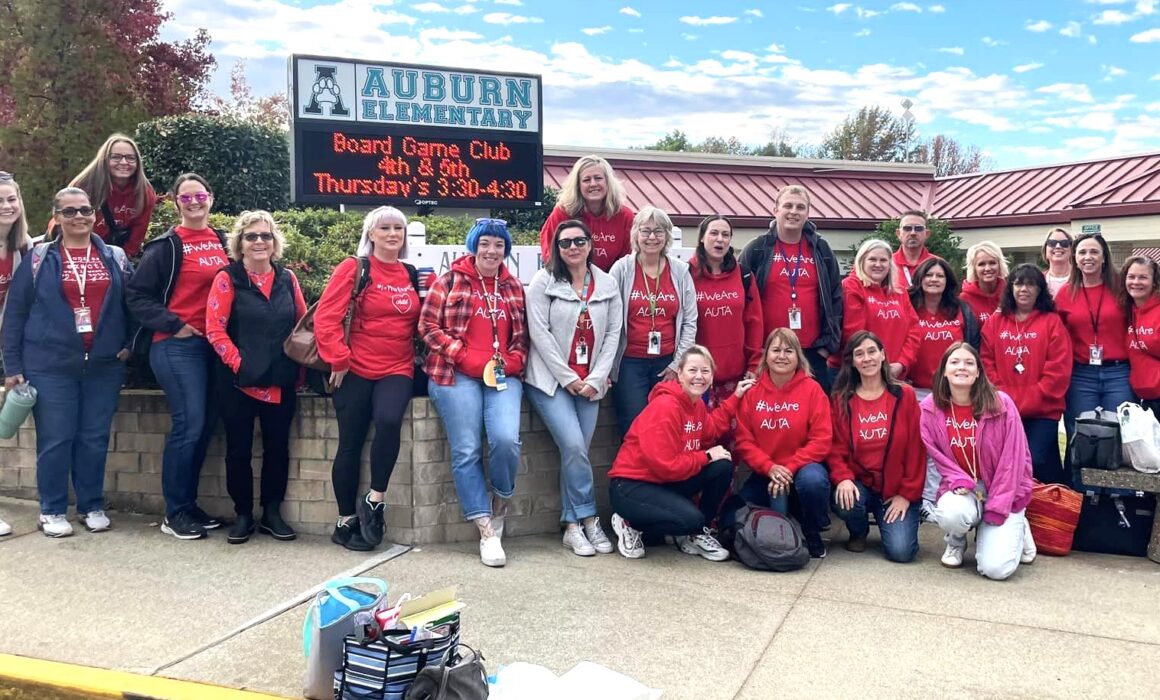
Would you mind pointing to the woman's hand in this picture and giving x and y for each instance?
(123, 355)
(717, 452)
(668, 375)
(574, 388)
(186, 331)
(588, 391)
(896, 509)
(12, 381)
(846, 495)
(743, 386)
(780, 479)
(896, 369)
(337, 377)
(750, 375)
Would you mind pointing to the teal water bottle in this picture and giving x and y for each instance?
(18, 403)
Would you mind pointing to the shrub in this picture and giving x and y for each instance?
(943, 241)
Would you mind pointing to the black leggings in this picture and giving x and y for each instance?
(238, 412)
(668, 509)
(357, 402)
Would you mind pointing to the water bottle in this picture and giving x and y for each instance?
(18, 403)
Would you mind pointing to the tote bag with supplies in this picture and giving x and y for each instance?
(329, 619)
(386, 668)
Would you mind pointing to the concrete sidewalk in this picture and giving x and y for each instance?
(851, 625)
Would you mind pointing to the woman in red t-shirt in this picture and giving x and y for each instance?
(877, 459)
(1140, 295)
(729, 314)
(592, 194)
(986, 275)
(117, 186)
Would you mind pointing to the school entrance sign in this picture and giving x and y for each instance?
(366, 132)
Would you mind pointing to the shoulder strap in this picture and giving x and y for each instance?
(37, 257)
(413, 274)
(746, 280)
(363, 276)
(110, 222)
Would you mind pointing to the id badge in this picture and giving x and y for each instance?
(84, 319)
(500, 379)
(1019, 367)
(654, 342)
(1095, 355)
(795, 318)
(980, 491)
(582, 353)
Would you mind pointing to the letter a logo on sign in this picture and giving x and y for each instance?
(326, 91)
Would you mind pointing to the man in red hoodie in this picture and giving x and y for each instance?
(912, 234)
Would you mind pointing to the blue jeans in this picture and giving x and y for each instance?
(630, 391)
(183, 369)
(73, 417)
(899, 538)
(668, 509)
(571, 420)
(1043, 439)
(467, 407)
(812, 485)
(1103, 385)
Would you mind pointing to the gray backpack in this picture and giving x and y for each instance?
(766, 540)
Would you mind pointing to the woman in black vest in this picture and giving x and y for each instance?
(252, 308)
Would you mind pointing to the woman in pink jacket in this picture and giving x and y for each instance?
(973, 433)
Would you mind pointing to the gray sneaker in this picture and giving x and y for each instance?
(575, 540)
(597, 538)
(704, 545)
(628, 539)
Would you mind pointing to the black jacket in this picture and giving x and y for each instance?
(971, 330)
(755, 260)
(148, 292)
(258, 326)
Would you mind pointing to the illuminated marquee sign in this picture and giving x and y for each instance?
(384, 133)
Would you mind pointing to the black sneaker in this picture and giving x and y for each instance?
(371, 520)
(241, 530)
(273, 525)
(183, 527)
(348, 534)
(815, 544)
(203, 518)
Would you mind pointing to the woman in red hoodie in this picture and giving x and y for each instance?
(592, 194)
(1140, 295)
(872, 302)
(116, 183)
(877, 460)
(729, 316)
(784, 433)
(986, 275)
(942, 319)
(1027, 353)
(664, 462)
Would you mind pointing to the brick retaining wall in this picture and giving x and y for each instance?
(422, 504)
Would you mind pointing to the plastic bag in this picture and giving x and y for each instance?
(1140, 437)
(587, 680)
(524, 681)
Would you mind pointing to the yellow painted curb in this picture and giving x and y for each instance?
(103, 683)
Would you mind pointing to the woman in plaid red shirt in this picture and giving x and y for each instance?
(475, 325)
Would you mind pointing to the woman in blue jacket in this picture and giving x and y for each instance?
(66, 332)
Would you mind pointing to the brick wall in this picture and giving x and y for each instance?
(422, 504)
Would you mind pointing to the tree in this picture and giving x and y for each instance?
(730, 146)
(272, 110)
(949, 157)
(675, 141)
(871, 134)
(943, 241)
(74, 71)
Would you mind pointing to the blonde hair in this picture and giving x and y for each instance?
(572, 201)
(701, 351)
(247, 219)
(792, 189)
(18, 234)
(97, 181)
(990, 248)
(789, 339)
(865, 249)
(366, 246)
(660, 218)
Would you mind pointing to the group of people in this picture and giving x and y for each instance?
(889, 391)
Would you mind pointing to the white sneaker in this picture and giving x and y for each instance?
(953, 557)
(491, 552)
(1029, 548)
(597, 538)
(575, 539)
(96, 521)
(54, 526)
(628, 540)
(705, 545)
(5, 528)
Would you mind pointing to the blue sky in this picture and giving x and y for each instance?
(1030, 82)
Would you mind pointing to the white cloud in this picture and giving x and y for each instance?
(629, 11)
(429, 7)
(466, 9)
(707, 21)
(594, 31)
(1024, 68)
(988, 41)
(905, 7)
(839, 8)
(1038, 26)
(1071, 30)
(1146, 7)
(1112, 17)
(1092, 39)
(862, 32)
(745, 56)
(984, 117)
(754, 13)
(1077, 92)
(1146, 37)
(507, 18)
(956, 50)
(1097, 121)
(508, 2)
(936, 9)
(1113, 72)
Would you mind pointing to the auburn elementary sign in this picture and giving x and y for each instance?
(365, 132)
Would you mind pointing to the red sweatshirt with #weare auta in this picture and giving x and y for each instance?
(788, 425)
(1040, 346)
(729, 322)
(1144, 350)
(610, 235)
(884, 311)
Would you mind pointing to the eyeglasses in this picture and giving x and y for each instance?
(1054, 243)
(118, 158)
(566, 243)
(653, 233)
(252, 237)
(187, 198)
(71, 212)
(486, 221)
(917, 228)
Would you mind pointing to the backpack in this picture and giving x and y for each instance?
(1096, 442)
(36, 256)
(766, 540)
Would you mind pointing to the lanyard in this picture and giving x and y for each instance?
(83, 274)
(1095, 317)
(793, 276)
(649, 296)
(585, 294)
(973, 458)
(906, 272)
(1019, 337)
(492, 301)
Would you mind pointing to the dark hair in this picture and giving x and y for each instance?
(186, 177)
(1126, 302)
(1043, 248)
(849, 378)
(1076, 280)
(984, 395)
(730, 261)
(949, 303)
(1020, 275)
(556, 264)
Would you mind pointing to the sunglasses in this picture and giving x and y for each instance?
(486, 221)
(917, 228)
(252, 237)
(187, 198)
(4, 177)
(1053, 243)
(71, 212)
(566, 243)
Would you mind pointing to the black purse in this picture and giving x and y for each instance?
(460, 677)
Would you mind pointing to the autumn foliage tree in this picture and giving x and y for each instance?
(74, 71)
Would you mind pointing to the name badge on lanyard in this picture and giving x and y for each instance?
(82, 315)
(582, 353)
(1095, 355)
(795, 313)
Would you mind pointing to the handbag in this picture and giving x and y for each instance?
(1096, 441)
(1053, 515)
(302, 346)
(461, 677)
(386, 668)
(329, 619)
(1140, 437)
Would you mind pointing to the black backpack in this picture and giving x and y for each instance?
(1096, 442)
(766, 540)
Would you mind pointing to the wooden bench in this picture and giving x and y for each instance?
(1127, 478)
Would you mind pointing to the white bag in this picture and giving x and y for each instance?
(1140, 437)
